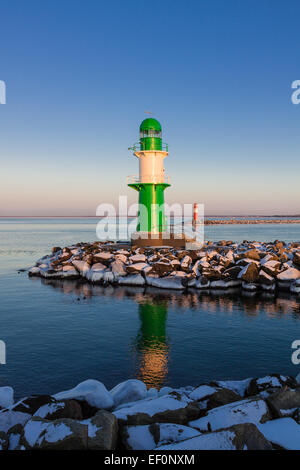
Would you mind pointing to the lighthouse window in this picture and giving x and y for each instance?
(150, 133)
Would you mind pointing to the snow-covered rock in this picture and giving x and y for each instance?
(34, 271)
(167, 408)
(284, 432)
(96, 433)
(165, 391)
(269, 383)
(101, 257)
(167, 433)
(9, 418)
(81, 266)
(6, 397)
(128, 391)
(59, 409)
(289, 275)
(102, 431)
(140, 258)
(62, 434)
(239, 437)
(284, 402)
(92, 391)
(118, 268)
(69, 272)
(138, 438)
(152, 393)
(95, 273)
(14, 440)
(249, 274)
(136, 268)
(148, 437)
(238, 386)
(251, 410)
(202, 392)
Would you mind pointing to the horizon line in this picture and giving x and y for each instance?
(133, 216)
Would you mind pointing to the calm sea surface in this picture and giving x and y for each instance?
(60, 333)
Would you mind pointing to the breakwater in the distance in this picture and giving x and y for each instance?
(245, 221)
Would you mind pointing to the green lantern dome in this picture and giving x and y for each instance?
(150, 124)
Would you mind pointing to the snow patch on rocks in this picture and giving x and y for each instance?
(92, 391)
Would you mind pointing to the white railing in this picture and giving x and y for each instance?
(135, 179)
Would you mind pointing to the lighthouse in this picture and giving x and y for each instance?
(151, 182)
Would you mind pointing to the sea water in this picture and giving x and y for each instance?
(58, 334)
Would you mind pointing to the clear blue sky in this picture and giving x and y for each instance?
(217, 74)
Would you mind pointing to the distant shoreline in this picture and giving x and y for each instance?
(208, 220)
(251, 221)
(232, 217)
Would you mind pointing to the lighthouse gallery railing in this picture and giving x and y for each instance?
(135, 179)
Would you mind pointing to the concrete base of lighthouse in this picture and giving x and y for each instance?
(150, 239)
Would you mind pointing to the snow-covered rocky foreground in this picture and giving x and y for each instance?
(251, 266)
(251, 414)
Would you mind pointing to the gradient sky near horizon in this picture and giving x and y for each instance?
(217, 75)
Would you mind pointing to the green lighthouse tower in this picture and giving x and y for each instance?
(151, 181)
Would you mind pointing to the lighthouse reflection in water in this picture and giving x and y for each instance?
(162, 337)
(152, 343)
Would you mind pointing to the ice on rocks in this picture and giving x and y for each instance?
(95, 273)
(225, 284)
(249, 286)
(132, 280)
(82, 266)
(168, 282)
(295, 287)
(69, 271)
(34, 271)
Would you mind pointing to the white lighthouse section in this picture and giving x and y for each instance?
(151, 166)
